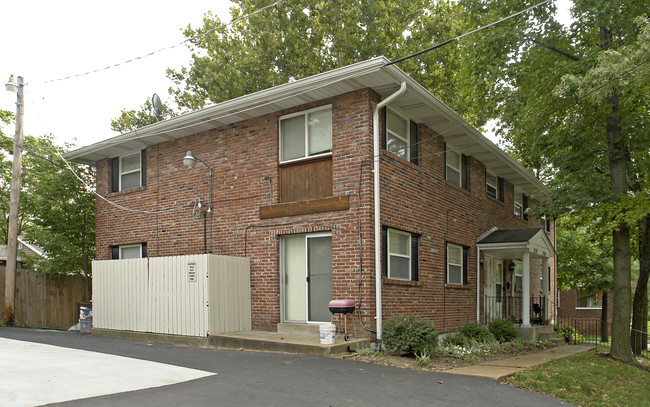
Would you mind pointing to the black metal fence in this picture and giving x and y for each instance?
(589, 331)
(640, 343)
(507, 307)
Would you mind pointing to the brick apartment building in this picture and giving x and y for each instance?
(286, 176)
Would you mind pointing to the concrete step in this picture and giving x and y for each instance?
(550, 336)
(291, 343)
(299, 329)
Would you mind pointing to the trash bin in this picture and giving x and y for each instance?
(85, 320)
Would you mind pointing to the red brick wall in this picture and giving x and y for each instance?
(414, 198)
(418, 199)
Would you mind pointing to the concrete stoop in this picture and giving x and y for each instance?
(540, 332)
(286, 342)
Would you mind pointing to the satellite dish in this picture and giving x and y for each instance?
(157, 105)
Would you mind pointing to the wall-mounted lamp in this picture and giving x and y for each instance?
(189, 161)
(512, 266)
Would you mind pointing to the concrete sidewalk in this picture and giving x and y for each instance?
(497, 369)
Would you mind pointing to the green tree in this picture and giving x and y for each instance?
(583, 253)
(591, 146)
(297, 39)
(57, 212)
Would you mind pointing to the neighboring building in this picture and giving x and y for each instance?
(293, 169)
(24, 249)
(575, 303)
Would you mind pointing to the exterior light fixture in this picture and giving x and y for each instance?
(189, 161)
(11, 86)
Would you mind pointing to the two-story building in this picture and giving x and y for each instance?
(356, 183)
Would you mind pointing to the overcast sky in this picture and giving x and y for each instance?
(45, 40)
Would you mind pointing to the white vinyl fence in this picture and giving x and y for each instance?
(181, 295)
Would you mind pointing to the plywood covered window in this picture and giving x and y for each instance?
(306, 155)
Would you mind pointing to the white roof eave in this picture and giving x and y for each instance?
(371, 73)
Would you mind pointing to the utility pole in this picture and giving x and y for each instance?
(14, 201)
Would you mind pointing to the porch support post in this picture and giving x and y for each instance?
(545, 288)
(525, 312)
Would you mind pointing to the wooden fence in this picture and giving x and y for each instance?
(43, 303)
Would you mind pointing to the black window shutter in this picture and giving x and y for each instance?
(115, 174)
(525, 205)
(465, 175)
(143, 167)
(444, 152)
(382, 125)
(500, 188)
(465, 278)
(384, 252)
(144, 250)
(415, 156)
(115, 252)
(414, 258)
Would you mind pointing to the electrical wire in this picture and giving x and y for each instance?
(467, 33)
(89, 188)
(166, 48)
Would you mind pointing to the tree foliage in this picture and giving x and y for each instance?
(57, 212)
(297, 39)
(584, 127)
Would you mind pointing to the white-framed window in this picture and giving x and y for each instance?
(519, 204)
(545, 223)
(397, 134)
(129, 251)
(455, 264)
(306, 134)
(491, 184)
(584, 300)
(130, 174)
(399, 255)
(454, 164)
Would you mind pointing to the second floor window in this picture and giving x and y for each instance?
(491, 184)
(456, 167)
(306, 134)
(397, 134)
(519, 204)
(129, 171)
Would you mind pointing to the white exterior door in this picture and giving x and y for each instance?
(493, 288)
(306, 277)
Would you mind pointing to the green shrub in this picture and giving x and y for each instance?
(457, 340)
(504, 330)
(567, 332)
(477, 333)
(410, 334)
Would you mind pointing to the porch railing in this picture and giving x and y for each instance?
(510, 307)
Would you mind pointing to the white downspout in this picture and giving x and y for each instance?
(375, 169)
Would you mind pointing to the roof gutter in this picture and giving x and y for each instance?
(375, 169)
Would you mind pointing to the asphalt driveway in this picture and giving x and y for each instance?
(217, 377)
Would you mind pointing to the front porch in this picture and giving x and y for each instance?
(516, 277)
(511, 307)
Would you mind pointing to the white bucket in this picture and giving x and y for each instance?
(327, 334)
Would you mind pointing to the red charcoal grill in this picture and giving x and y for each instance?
(344, 307)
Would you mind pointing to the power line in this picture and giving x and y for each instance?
(466, 34)
(168, 47)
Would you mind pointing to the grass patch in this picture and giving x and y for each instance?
(588, 379)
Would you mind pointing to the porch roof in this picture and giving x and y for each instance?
(512, 243)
